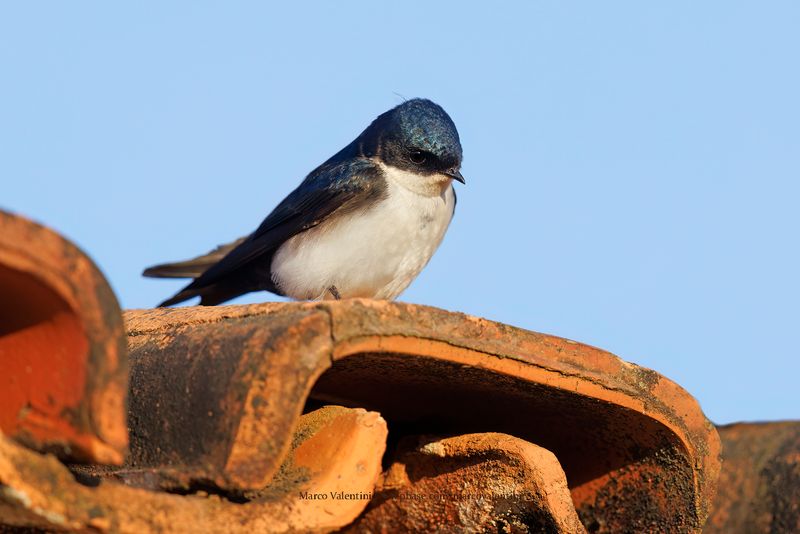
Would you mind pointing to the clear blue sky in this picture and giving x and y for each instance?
(632, 168)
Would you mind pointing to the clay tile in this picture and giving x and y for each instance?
(325, 481)
(472, 483)
(214, 398)
(759, 486)
(637, 451)
(63, 367)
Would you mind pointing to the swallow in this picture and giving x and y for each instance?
(363, 224)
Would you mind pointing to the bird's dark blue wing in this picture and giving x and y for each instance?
(334, 187)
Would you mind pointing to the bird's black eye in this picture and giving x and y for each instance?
(418, 157)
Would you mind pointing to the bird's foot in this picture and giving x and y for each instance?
(335, 292)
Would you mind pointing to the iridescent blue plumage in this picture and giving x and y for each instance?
(423, 124)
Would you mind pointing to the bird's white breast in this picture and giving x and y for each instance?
(373, 253)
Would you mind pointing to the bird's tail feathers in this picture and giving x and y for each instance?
(191, 268)
(212, 294)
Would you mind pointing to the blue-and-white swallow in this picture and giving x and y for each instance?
(362, 224)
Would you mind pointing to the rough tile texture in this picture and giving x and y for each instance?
(637, 451)
(216, 402)
(217, 394)
(335, 450)
(759, 486)
(472, 483)
(63, 366)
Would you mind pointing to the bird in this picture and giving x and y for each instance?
(362, 224)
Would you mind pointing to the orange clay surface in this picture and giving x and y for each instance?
(63, 374)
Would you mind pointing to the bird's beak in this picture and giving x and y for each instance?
(456, 175)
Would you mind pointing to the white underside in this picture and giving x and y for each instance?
(375, 253)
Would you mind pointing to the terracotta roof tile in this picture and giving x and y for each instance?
(759, 486)
(63, 367)
(232, 429)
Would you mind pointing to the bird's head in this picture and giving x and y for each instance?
(417, 136)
